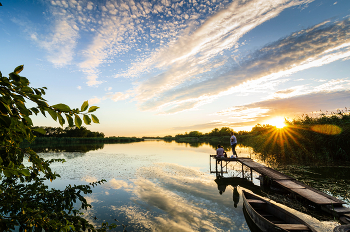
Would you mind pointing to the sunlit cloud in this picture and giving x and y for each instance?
(197, 58)
(203, 126)
(118, 96)
(313, 47)
(295, 106)
(94, 100)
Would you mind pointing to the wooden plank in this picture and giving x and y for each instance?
(289, 184)
(250, 163)
(314, 196)
(293, 226)
(340, 210)
(272, 173)
(256, 201)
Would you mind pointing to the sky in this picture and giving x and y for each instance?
(166, 67)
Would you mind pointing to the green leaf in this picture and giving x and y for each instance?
(87, 120)
(84, 106)
(78, 121)
(93, 108)
(52, 113)
(95, 119)
(60, 119)
(24, 81)
(7, 173)
(40, 130)
(28, 120)
(27, 89)
(22, 108)
(6, 121)
(35, 110)
(18, 69)
(42, 91)
(62, 107)
(70, 120)
(7, 107)
(14, 76)
(25, 172)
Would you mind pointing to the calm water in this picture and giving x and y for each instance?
(160, 186)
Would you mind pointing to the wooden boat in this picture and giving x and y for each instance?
(270, 217)
(343, 228)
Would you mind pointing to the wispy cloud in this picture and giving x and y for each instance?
(199, 57)
(313, 47)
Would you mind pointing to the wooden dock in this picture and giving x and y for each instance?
(324, 201)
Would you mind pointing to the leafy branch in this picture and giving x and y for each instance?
(25, 201)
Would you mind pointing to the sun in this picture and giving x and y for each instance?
(277, 122)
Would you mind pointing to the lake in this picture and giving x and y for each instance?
(159, 186)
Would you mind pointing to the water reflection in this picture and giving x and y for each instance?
(235, 183)
(157, 186)
(44, 148)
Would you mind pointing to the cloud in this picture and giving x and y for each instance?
(198, 56)
(127, 26)
(61, 43)
(94, 100)
(197, 127)
(313, 47)
(118, 96)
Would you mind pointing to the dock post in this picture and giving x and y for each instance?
(222, 174)
(210, 162)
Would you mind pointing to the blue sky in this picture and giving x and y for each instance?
(171, 66)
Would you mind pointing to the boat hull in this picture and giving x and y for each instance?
(271, 218)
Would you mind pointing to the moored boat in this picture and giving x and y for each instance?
(270, 217)
(342, 228)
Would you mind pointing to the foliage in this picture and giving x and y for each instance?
(74, 132)
(25, 201)
(224, 131)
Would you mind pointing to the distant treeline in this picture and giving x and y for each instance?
(216, 135)
(73, 132)
(74, 135)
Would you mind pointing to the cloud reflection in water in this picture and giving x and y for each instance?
(169, 197)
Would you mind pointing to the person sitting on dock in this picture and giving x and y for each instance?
(220, 152)
(233, 141)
